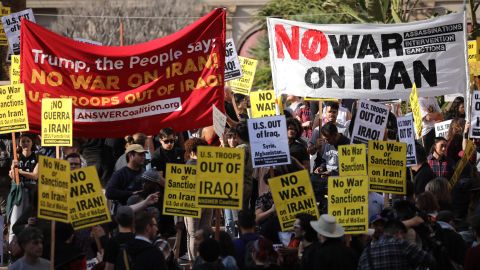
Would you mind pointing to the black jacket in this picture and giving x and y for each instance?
(145, 256)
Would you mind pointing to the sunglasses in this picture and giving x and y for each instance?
(168, 141)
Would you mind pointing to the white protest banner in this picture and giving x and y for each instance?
(475, 115)
(88, 41)
(370, 122)
(441, 129)
(268, 141)
(219, 121)
(406, 134)
(362, 61)
(11, 26)
(233, 69)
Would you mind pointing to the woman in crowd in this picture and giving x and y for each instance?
(304, 231)
(193, 224)
(227, 251)
(438, 160)
(457, 109)
(441, 191)
(264, 256)
(297, 147)
(24, 193)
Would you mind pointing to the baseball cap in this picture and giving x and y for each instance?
(135, 147)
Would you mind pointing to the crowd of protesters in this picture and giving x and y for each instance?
(433, 226)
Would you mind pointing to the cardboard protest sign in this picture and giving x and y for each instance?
(219, 121)
(352, 160)
(441, 129)
(472, 51)
(57, 122)
(268, 141)
(348, 202)
(370, 122)
(244, 84)
(180, 198)
(406, 134)
(15, 70)
(386, 166)
(53, 189)
(292, 194)
(3, 37)
(233, 69)
(368, 61)
(116, 91)
(263, 103)
(87, 204)
(467, 154)
(475, 115)
(13, 109)
(219, 181)
(417, 115)
(11, 26)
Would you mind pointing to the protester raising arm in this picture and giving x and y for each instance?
(151, 199)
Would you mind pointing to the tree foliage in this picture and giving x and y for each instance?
(324, 12)
(142, 20)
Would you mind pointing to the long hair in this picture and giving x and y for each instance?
(457, 127)
(453, 111)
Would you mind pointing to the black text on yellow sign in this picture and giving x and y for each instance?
(263, 103)
(57, 122)
(219, 180)
(179, 197)
(348, 202)
(387, 166)
(53, 189)
(87, 205)
(292, 194)
(13, 109)
(352, 159)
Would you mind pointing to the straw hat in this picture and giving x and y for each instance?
(327, 226)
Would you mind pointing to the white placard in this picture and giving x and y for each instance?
(441, 129)
(269, 141)
(406, 134)
(475, 115)
(11, 25)
(370, 122)
(369, 61)
(233, 69)
(219, 121)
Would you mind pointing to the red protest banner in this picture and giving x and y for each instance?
(171, 81)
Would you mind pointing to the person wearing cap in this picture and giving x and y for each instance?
(332, 253)
(125, 182)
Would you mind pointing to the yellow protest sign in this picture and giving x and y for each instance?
(179, 198)
(467, 154)
(348, 202)
(243, 84)
(417, 116)
(263, 103)
(3, 37)
(352, 160)
(15, 70)
(53, 189)
(57, 123)
(87, 204)
(219, 181)
(387, 166)
(474, 68)
(472, 51)
(13, 109)
(293, 194)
